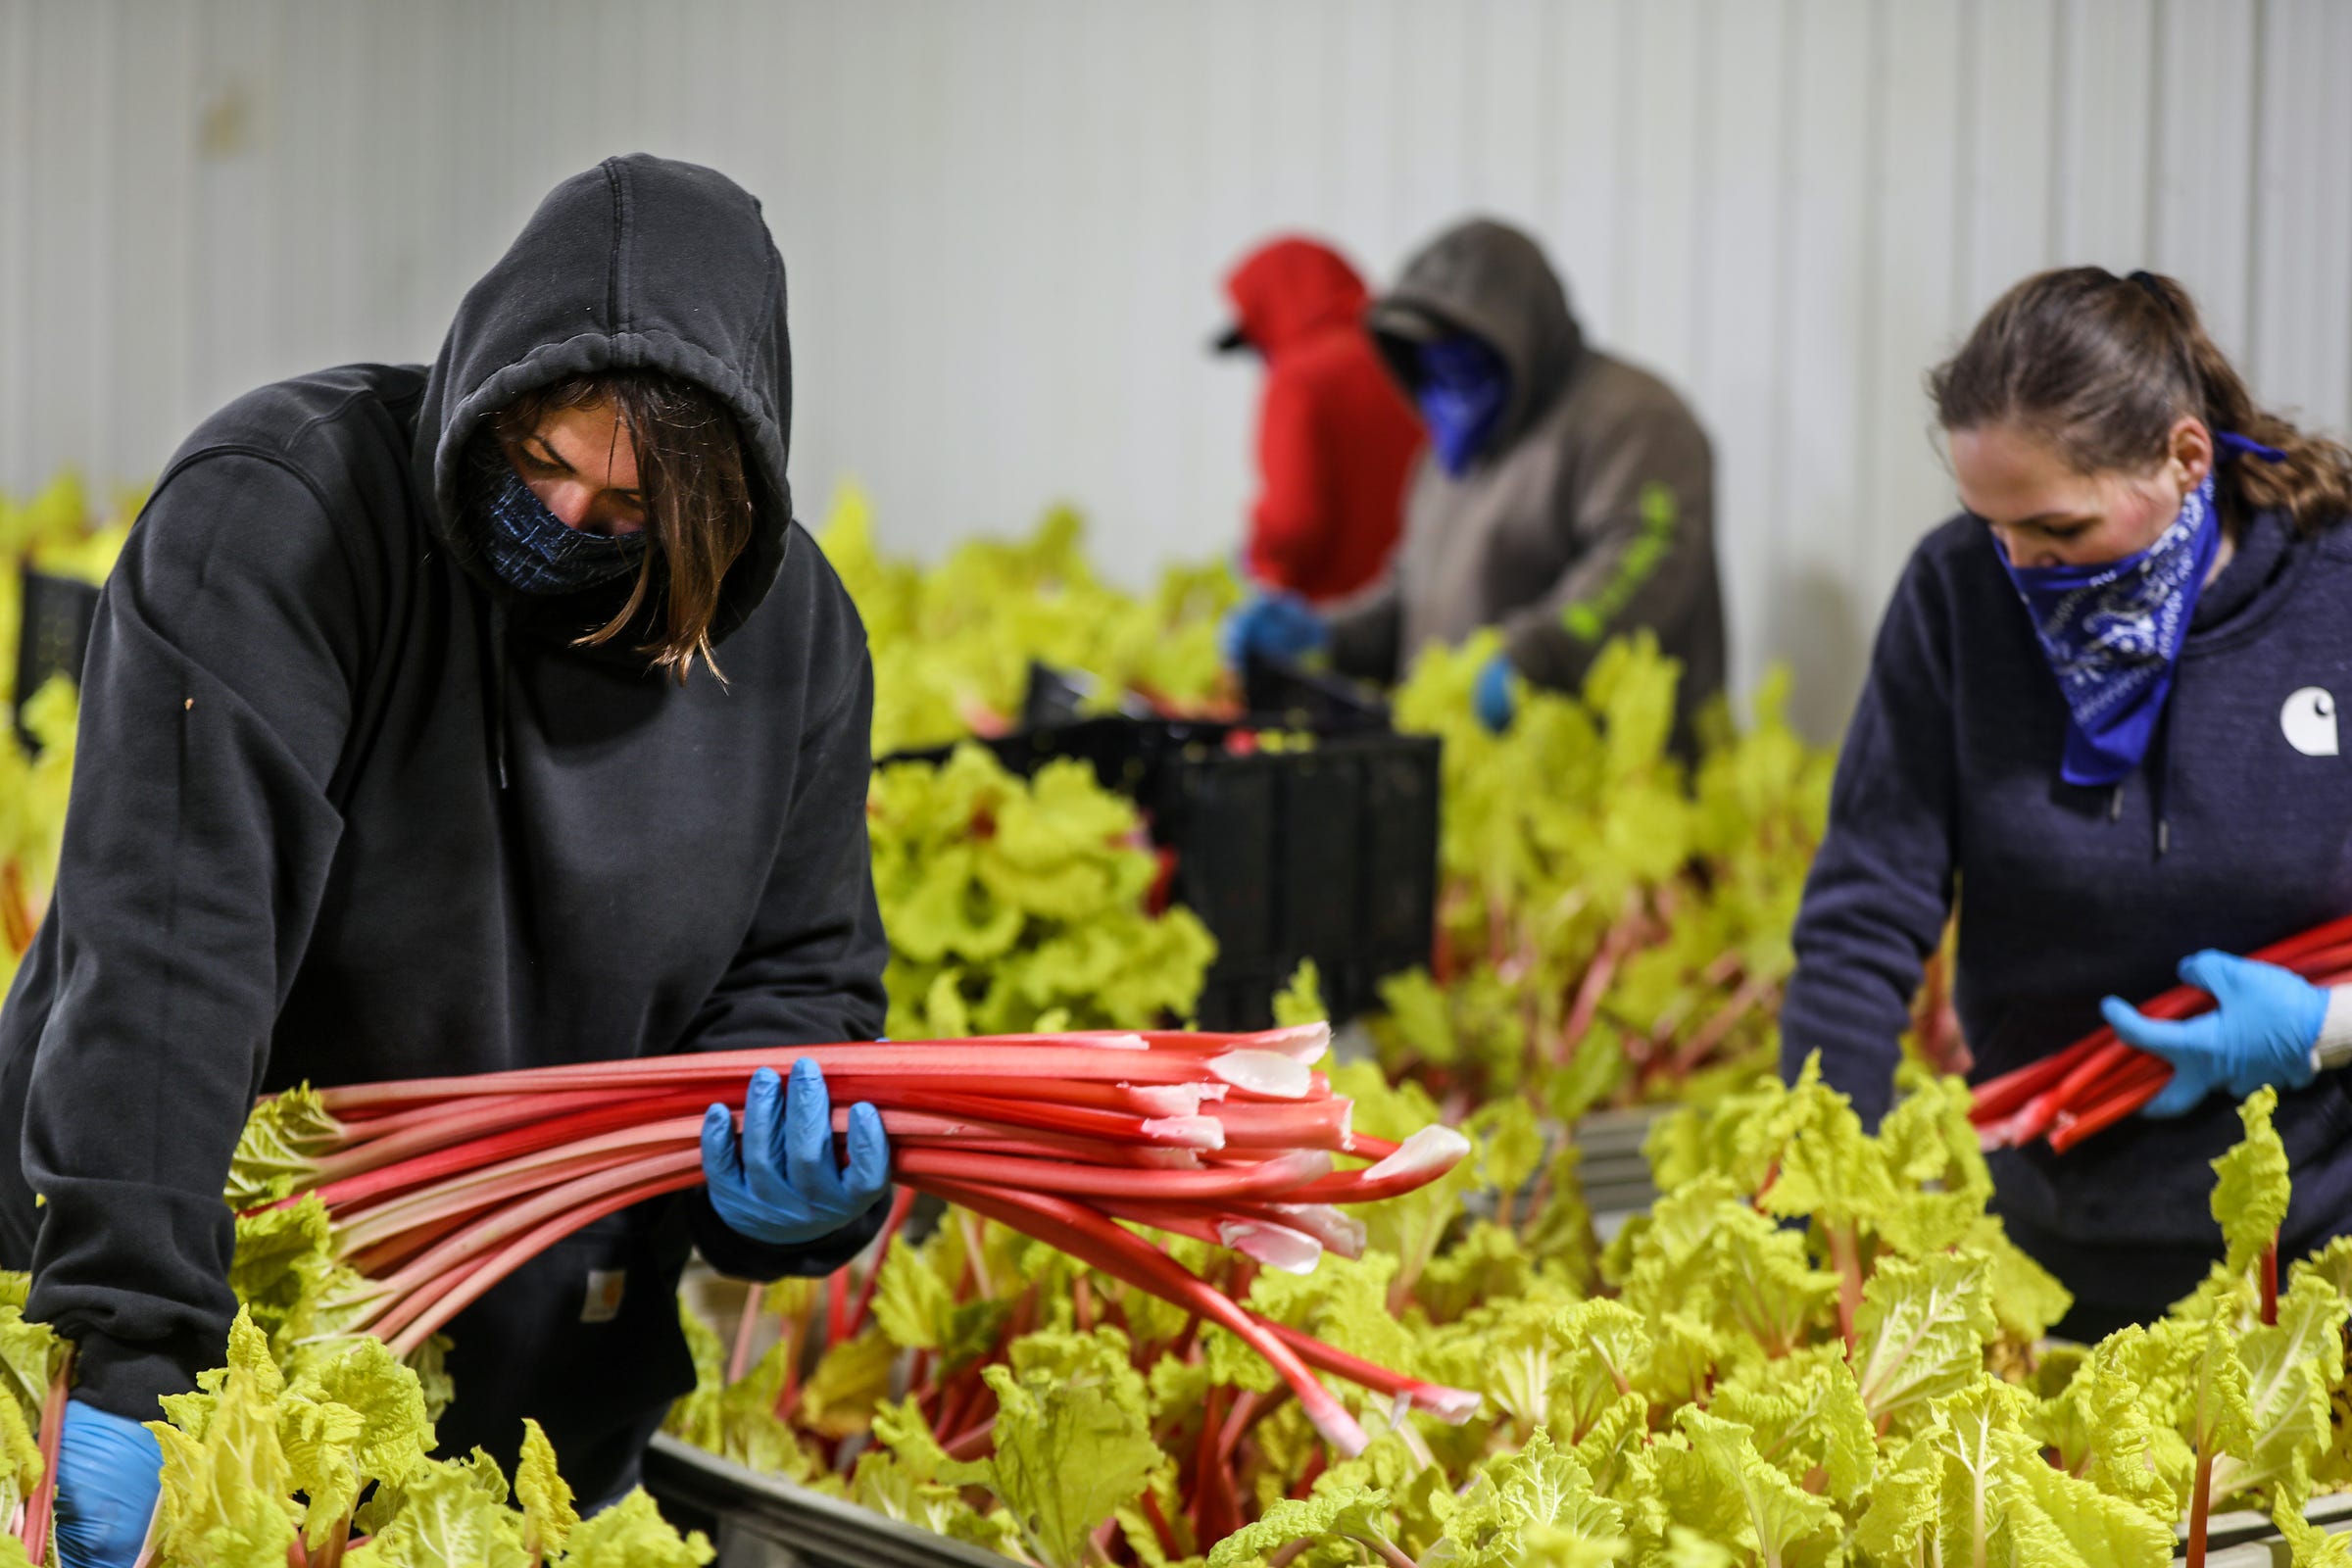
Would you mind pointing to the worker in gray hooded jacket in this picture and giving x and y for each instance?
(1566, 497)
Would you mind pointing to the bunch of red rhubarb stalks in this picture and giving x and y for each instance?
(2099, 1080)
(439, 1188)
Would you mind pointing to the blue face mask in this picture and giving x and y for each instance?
(533, 552)
(2113, 634)
(1463, 387)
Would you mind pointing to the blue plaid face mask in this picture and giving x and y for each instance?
(534, 553)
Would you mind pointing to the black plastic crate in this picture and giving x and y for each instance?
(52, 636)
(1055, 696)
(1319, 701)
(764, 1521)
(1328, 852)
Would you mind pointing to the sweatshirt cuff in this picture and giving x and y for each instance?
(2333, 1049)
(739, 1257)
(128, 1380)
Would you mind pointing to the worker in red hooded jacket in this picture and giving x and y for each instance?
(1335, 439)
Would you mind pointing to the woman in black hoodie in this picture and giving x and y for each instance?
(451, 720)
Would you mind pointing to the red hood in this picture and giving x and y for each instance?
(1293, 288)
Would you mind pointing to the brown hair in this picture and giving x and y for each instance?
(2100, 366)
(698, 500)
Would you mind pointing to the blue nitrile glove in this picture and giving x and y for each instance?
(1275, 625)
(2261, 1031)
(1492, 697)
(781, 1186)
(109, 1470)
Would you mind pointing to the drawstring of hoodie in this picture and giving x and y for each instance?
(2159, 767)
(497, 707)
(2161, 776)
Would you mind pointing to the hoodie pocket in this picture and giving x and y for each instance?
(584, 1338)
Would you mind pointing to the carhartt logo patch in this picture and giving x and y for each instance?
(605, 1287)
(2309, 721)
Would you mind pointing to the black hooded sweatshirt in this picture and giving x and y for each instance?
(345, 810)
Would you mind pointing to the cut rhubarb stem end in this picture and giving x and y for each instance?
(1186, 1132)
(1262, 1072)
(1432, 1151)
(1338, 1232)
(1306, 1043)
(1275, 1246)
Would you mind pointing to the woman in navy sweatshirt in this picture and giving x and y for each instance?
(2100, 721)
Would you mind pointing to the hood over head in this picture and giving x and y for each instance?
(640, 263)
(1491, 280)
(1288, 289)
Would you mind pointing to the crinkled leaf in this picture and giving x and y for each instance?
(226, 1491)
(2026, 1299)
(2251, 1185)
(2290, 1367)
(2216, 1411)
(1723, 1484)
(2067, 1523)
(280, 1147)
(283, 1263)
(1829, 1168)
(1921, 1333)
(632, 1533)
(1069, 1455)
(2312, 1546)
(1355, 1513)
(1543, 1488)
(1601, 1348)
(1608, 1448)
(1806, 1413)
(365, 1377)
(548, 1516)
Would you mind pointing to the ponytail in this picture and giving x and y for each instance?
(2101, 366)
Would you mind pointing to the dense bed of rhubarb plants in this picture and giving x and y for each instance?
(1018, 904)
(1613, 924)
(1820, 1348)
(308, 1453)
(953, 642)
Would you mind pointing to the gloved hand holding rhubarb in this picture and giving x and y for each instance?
(2261, 1033)
(1274, 626)
(781, 1186)
(439, 1188)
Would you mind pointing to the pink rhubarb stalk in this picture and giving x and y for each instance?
(496, 1267)
(1100, 1241)
(1419, 1161)
(1282, 1174)
(1452, 1406)
(1259, 1071)
(41, 1506)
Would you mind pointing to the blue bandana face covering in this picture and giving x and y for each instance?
(2113, 634)
(1464, 385)
(533, 552)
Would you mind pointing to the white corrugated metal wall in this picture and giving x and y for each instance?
(1004, 218)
